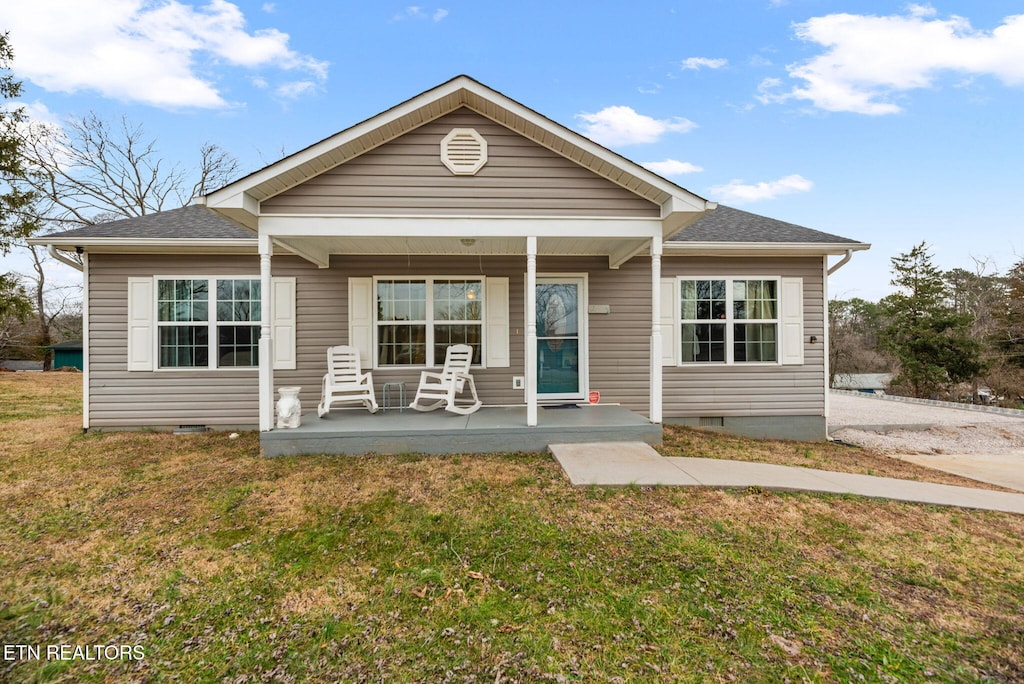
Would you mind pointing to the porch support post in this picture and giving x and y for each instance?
(656, 342)
(531, 331)
(266, 352)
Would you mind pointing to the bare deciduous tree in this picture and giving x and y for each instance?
(93, 171)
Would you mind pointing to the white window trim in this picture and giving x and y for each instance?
(729, 321)
(430, 322)
(212, 325)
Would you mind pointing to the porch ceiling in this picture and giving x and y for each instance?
(316, 248)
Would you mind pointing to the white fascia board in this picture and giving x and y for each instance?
(219, 198)
(326, 146)
(677, 193)
(304, 225)
(762, 248)
(153, 245)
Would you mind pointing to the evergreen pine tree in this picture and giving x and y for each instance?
(930, 340)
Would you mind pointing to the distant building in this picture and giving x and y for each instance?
(68, 354)
(868, 383)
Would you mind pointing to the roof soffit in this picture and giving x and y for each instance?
(461, 91)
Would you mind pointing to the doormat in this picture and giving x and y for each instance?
(561, 406)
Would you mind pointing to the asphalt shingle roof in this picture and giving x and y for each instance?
(726, 224)
(723, 224)
(192, 222)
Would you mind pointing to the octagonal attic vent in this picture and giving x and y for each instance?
(464, 151)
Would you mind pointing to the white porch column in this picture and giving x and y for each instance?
(266, 387)
(656, 343)
(531, 331)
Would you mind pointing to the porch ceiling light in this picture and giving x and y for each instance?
(467, 242)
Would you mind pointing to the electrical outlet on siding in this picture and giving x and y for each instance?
(518, 382)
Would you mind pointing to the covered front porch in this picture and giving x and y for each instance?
(492, 429)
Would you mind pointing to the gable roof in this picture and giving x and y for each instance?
(240, 200)
(724, 228)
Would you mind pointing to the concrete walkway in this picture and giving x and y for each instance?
(627, 463)
(978, 442)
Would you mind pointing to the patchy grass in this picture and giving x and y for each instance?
(225, 566)
(683, 441)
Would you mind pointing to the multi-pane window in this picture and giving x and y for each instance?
(208, 322)
(418, 318)
(238, 306)
(729, 320)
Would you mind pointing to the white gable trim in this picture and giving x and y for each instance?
(238, 199)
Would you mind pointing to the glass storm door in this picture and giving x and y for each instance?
(561, 348)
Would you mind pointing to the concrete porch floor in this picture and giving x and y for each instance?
(492, 429)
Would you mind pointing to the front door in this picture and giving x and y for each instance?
(561, 339)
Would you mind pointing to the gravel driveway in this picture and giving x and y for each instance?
(984, 446)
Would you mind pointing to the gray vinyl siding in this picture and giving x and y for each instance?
(406, 177)
(748, 390)
(618, 342)
(165, 398)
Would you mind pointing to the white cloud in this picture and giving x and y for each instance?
(620, 125)
(738, 192)
(269, 7)
(695, 63)
(870, 60)
(672, 167)
(295, 89)
(417, 12)
(160, 53)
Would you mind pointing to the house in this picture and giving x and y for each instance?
(459, 216)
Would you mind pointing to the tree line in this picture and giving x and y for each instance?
(86, 171)
(955, 334)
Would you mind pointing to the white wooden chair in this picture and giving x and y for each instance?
(437, 389)
(345, 381)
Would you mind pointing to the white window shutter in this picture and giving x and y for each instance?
(791, 306)
(141, 324)
(282, 322)
(496, 348)
(360, 318)
(669, 322)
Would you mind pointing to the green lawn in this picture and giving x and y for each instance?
(224, 566)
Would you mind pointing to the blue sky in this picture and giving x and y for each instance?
(886, 122)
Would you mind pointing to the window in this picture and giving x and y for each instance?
(729, 320)
(418, 318)
(194, 334)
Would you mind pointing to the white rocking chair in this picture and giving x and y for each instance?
(437, 389)
(345, 381)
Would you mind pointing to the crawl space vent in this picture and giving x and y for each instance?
(464, 151)
(711, 421)
(190, 429)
